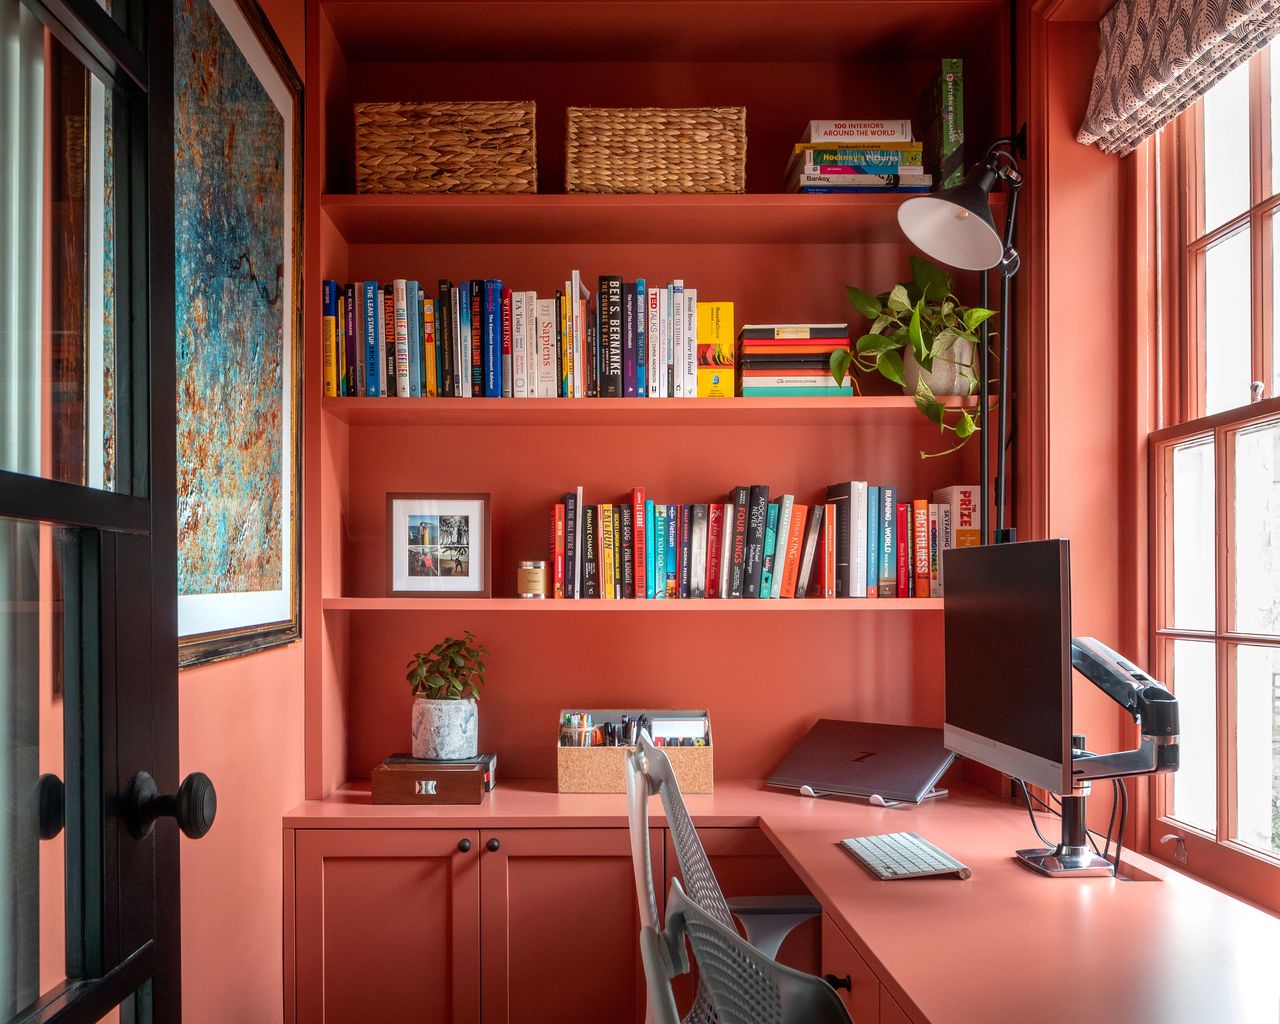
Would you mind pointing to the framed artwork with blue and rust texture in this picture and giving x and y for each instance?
(238, 194)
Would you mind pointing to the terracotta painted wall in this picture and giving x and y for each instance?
(241, 722)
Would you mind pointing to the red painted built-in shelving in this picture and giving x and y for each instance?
(551, 607)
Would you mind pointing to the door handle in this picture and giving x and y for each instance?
(194, 806)
(845, 983)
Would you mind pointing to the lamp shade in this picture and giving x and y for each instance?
(955, 226)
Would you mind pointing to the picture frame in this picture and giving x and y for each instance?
(438, 545)
(238, 120)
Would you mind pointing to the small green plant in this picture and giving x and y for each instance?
(451, 670)
(924, 317)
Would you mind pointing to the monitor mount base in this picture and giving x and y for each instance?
(1073, 857)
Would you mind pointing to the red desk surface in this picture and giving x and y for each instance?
(1007, 945)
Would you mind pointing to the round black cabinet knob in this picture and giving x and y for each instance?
(194, 806)
(493, 846)
(51, 805)
(464, 845)
(845, 983)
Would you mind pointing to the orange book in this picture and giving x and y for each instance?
(829, 551)
(920, 543)
(795, 541)
(557, 548)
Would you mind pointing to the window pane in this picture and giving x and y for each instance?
(1257, 529)
(1194, 587)
(1227, 323)
(1226, 148)
(58, 227)
(1258, 747)
(1195, 785)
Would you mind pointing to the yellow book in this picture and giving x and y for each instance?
(715, 350)
(607, 567)
(429, 346)
(329, 328)
(566, 344)
(340, 346)
(906, 148)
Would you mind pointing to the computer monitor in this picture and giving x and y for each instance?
(1007, 619)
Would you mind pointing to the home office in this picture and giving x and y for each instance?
(596, 556)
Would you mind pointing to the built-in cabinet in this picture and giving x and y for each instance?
(866, 999)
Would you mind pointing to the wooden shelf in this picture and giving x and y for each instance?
(618, 219)
(661, 412)
(549, 607)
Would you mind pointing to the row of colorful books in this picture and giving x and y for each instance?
(483, 339)
(854, 157)
(791, 360)
(861, 541)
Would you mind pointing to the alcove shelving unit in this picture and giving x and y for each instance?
(765, 669)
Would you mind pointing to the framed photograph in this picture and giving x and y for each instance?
(238, 288)
(438, 545)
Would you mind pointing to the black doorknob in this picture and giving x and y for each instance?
(493, 846)
(194, 806)
(464, 845)
(846, 982)
(51, 805)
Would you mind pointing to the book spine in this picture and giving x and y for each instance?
(698, 551)
(690, 350)
(617, 551)
(426, 325)
(785, 504)
(850, 131)
(390, 387)
(676, 365)
(567, 364)
(935, 561)
(653, 343)
(920, 544)
(642, 338)
(444, 337)
(649, 549)
(607, 573)
(590, 552)
(546, 349)
(673, 547)
(753, 566)
(506, 299)
(829, 551)
(841, 496)
(660, 552)
(715, 531)
(770, 543)
(557, 550)
(400, 315)
(686, 540)
(738, 556)
(639, 540)
(570, 546)
(351, 351)
(611, 339)
(418, 302)
(329, 335)
(966, 513)
(902, 539)
(479, 337)
(630, 354)
(664, 342)
(874, 532)
(627, 517)
(726, 547)
(946, 540)
(519, 352)
(811, 554)
(857, 556)
(531, 343)
(795, 546)
(888, 542)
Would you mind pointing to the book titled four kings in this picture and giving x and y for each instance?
(861, 541)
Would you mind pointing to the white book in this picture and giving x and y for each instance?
(380, 321)
(935, 550)
(461, 362)
(519, 357)
(664, 341)
(677, 338)
(945, 541)
(858, 541)
(577, 310)
(785, 504)
(530, 342)
(880, 130)
(400, 325)
(726, 549)
(690, 351)
(546, 348)
(653, 350)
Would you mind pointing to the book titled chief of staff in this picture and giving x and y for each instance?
(477, 339)
(860, 541)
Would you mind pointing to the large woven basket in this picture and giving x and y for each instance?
(445, 147)
(656, 149)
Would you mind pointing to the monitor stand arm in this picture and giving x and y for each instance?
(1073, 857)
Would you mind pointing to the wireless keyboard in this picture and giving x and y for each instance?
(903, 855)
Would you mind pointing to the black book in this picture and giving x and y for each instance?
(757, 509)
(389, 339)
(560, 346)
(809, 552)
(590, 553)
(570, 544)
(629, 339)
(738, 546)
(686, 529)
(616, 582)
(698, 552)
(770, 360)
(842, 497)
(444, 339)
(477, 338)
(610, 337)
(628, 552)
(593, 360)
(771, 332)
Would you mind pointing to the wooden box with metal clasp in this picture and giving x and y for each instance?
(402, 779)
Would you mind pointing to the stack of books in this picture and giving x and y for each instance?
(858, 541)
(630, 339)
(853, 157)
(790, 360)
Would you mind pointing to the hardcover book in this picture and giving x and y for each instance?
(650, 548)
(726, 547)
(444, 335)
(715, 350)
(677, 340)
(413, 313)
(795, 548)
(570, 503)
(387, 340)
(715, 544)
(660, 552)
(611, 341)
(626, 517)
(965, 501)
(859, 131)
(673, 547)
(903, 555)
(811, 552)
(557, 550)
(353, 353)
(946, 539)
(888, 541)
(920, 545)
(683, 551)
(507, 330)
(590, 552)
(738, 547)
(640, 540)
(785, 504)
(475, 301)
(617, 551)
(698, 551)
(757, 510)
(329, 325)
(642, 338)
(630, 354)
(607, 574)
(829, 550)
(874, 531)
(935, 558)
(770, 540)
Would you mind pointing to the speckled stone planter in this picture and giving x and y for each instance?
(946, 377)
(445, 730)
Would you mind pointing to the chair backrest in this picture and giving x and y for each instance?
(744, 985)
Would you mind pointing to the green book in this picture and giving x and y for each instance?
(944, 134)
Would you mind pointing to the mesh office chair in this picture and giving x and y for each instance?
(767, 920)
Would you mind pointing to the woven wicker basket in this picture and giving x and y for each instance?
(656, 149)
(445, 147)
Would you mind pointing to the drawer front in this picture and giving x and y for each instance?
(858, 986)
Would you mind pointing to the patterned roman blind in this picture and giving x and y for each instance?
(1159, 56)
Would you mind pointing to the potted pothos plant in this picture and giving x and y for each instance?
(924, 340)
(446, 682)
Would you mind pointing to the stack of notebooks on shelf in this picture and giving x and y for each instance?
(629, 339)
(860, 541)
(855, 157)
(790, 360)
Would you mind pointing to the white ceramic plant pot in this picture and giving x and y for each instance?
(445, 730)
(946, 377)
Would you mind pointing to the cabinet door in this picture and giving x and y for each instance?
(746, 864)
(387, 926)
(855, 982)
(559, 927)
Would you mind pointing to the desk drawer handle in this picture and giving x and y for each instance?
(464, 845)
(493, 846)
(845, 983)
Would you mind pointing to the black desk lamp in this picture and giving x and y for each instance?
(955, 227)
